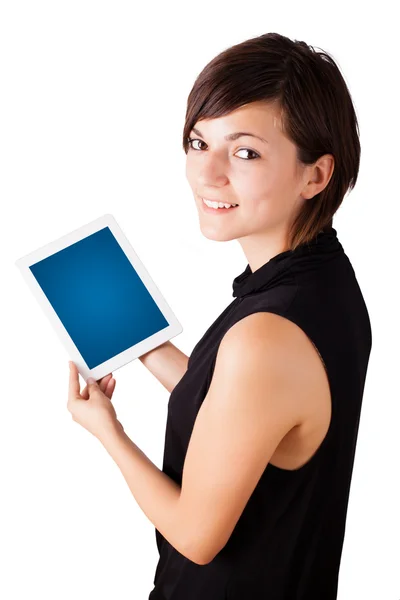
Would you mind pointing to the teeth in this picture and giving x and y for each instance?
(217, 204)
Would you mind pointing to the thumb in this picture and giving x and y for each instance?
(91, 383)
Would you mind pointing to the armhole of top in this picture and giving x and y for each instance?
(314, 458)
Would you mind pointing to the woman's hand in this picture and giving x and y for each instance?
(92, 409)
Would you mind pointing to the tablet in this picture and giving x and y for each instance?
(101, 301)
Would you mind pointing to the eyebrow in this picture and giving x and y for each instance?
(233, 136)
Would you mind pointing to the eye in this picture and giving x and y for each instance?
(190, 140)
(256, 155)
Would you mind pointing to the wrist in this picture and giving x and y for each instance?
(113, 428)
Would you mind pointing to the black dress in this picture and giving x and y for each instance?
(288, 541)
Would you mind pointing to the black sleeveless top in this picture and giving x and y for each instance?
(288, 541)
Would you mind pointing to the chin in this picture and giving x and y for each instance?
(217, 236)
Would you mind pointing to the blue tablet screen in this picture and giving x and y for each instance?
(98, 297)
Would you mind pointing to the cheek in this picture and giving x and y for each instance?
(191, 168)
(267, 201)
(272, 191)
(188, 170)
(259, 191)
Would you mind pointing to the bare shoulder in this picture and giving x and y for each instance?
(268, 339)
(269, 332)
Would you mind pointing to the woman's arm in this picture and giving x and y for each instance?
(167, 363)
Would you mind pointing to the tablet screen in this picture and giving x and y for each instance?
(99, 297)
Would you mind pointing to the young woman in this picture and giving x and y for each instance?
(262, 425)
(263, 417)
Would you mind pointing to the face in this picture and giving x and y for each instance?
(262, 177)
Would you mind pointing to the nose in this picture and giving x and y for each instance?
(212, 172)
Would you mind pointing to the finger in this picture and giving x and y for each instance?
(74, 385)
(102, 384)
(110, 387)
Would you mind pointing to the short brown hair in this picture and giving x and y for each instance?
(317, 112)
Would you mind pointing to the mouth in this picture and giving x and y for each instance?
(217, 208)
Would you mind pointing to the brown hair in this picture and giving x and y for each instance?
(317, 112)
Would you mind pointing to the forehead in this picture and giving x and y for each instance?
(260, 118)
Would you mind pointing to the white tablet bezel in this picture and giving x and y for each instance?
(114, 363)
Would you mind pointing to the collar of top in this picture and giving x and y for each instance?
(305, 257)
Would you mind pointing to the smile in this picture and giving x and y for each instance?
(217, 206)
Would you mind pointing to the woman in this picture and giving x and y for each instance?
(262, 427)
(263, 417)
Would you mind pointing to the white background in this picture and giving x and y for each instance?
(92, 105)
